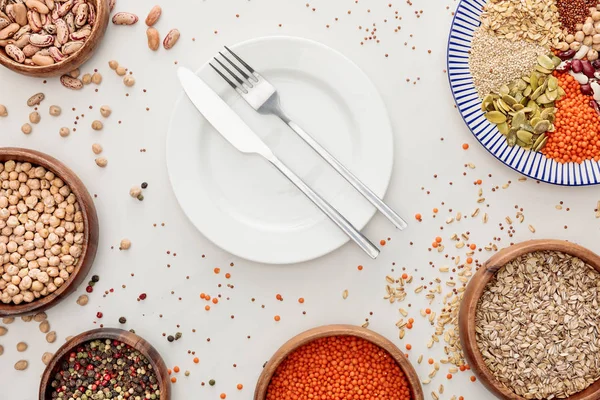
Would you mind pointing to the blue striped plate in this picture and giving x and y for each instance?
(533, 165)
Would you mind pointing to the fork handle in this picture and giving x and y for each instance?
(349, 176)
(327, 209)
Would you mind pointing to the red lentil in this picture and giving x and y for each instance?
(336, 368)
(577, 124)
(196, 360)
(465, 146)
(240, 386)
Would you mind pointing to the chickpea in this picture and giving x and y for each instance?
(55, 111)
(129, 81)
(125, 244)
(35, 117)
(86, 79)
(105, 111)
(3, 111)
(101, 162)
(97, 148)
(26, 129)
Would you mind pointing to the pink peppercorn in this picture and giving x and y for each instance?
(143, 296)
(89, 289)
(99, 314)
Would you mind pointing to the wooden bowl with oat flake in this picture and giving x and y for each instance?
(585, 279)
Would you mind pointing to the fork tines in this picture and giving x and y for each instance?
(242, 77)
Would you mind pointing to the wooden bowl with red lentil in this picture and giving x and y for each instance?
(114, 337)
(352, 346)
(87, 246)
(468, 316)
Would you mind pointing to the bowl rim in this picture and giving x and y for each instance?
(474, 291)
(127, 337)
(76, 59)
(91, 229)
(310, 335)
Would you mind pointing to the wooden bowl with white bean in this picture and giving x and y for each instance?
(44, 38)
(48, 231)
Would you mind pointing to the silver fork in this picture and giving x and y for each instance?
(263, 97)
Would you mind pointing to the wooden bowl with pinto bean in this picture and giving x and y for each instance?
(414, 384)
(131, 339)
(85, 237)
(44, 38)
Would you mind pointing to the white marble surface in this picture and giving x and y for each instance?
(421, 114)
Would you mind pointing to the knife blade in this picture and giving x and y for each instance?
(236, 132)
(221, 116)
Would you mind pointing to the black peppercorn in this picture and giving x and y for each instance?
(122, 320)
(144, 185)
(95, 278)
(170, 338)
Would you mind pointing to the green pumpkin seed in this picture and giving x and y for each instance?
(541, 127)
(495, 117)
(556, 61)
(511, 101)
(547, 112)
(504, 90)
(552, 83)
(537, 92)
(533, 121)
(543, 70)
(527, 91)
(543, 99)
(521, 84)
(546, 62)
(526, 127)
(503, 128)
(552, 127)
(519, 118)
(561, 92)
(511, 138)
(518, 107)
(522, 144)
(526, 79)
(551, 94)
(533, 81)
(540, 143)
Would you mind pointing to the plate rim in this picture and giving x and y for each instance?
(594, 181)
(299, 259)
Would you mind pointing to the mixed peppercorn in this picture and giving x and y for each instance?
(104, 369)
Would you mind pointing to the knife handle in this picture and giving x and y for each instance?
(363, 189)
(327, 209)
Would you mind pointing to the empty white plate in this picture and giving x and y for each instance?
(244, 205)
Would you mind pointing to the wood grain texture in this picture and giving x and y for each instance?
(75, 60)
(474, 291)
(121, 335)
(90, 220)
(337, 330)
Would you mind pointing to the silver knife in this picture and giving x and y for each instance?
(236, 132)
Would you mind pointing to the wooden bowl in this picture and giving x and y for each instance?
(90, 220)
(474, 291)
(337, 330)
(126, 337)
(75, 60)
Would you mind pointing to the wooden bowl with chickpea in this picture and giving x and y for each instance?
(48, 231)
(350, 348)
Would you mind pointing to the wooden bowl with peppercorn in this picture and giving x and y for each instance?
(42, 42)
(547, 261)
(361, 343)
(48, 231)
(129, 351)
